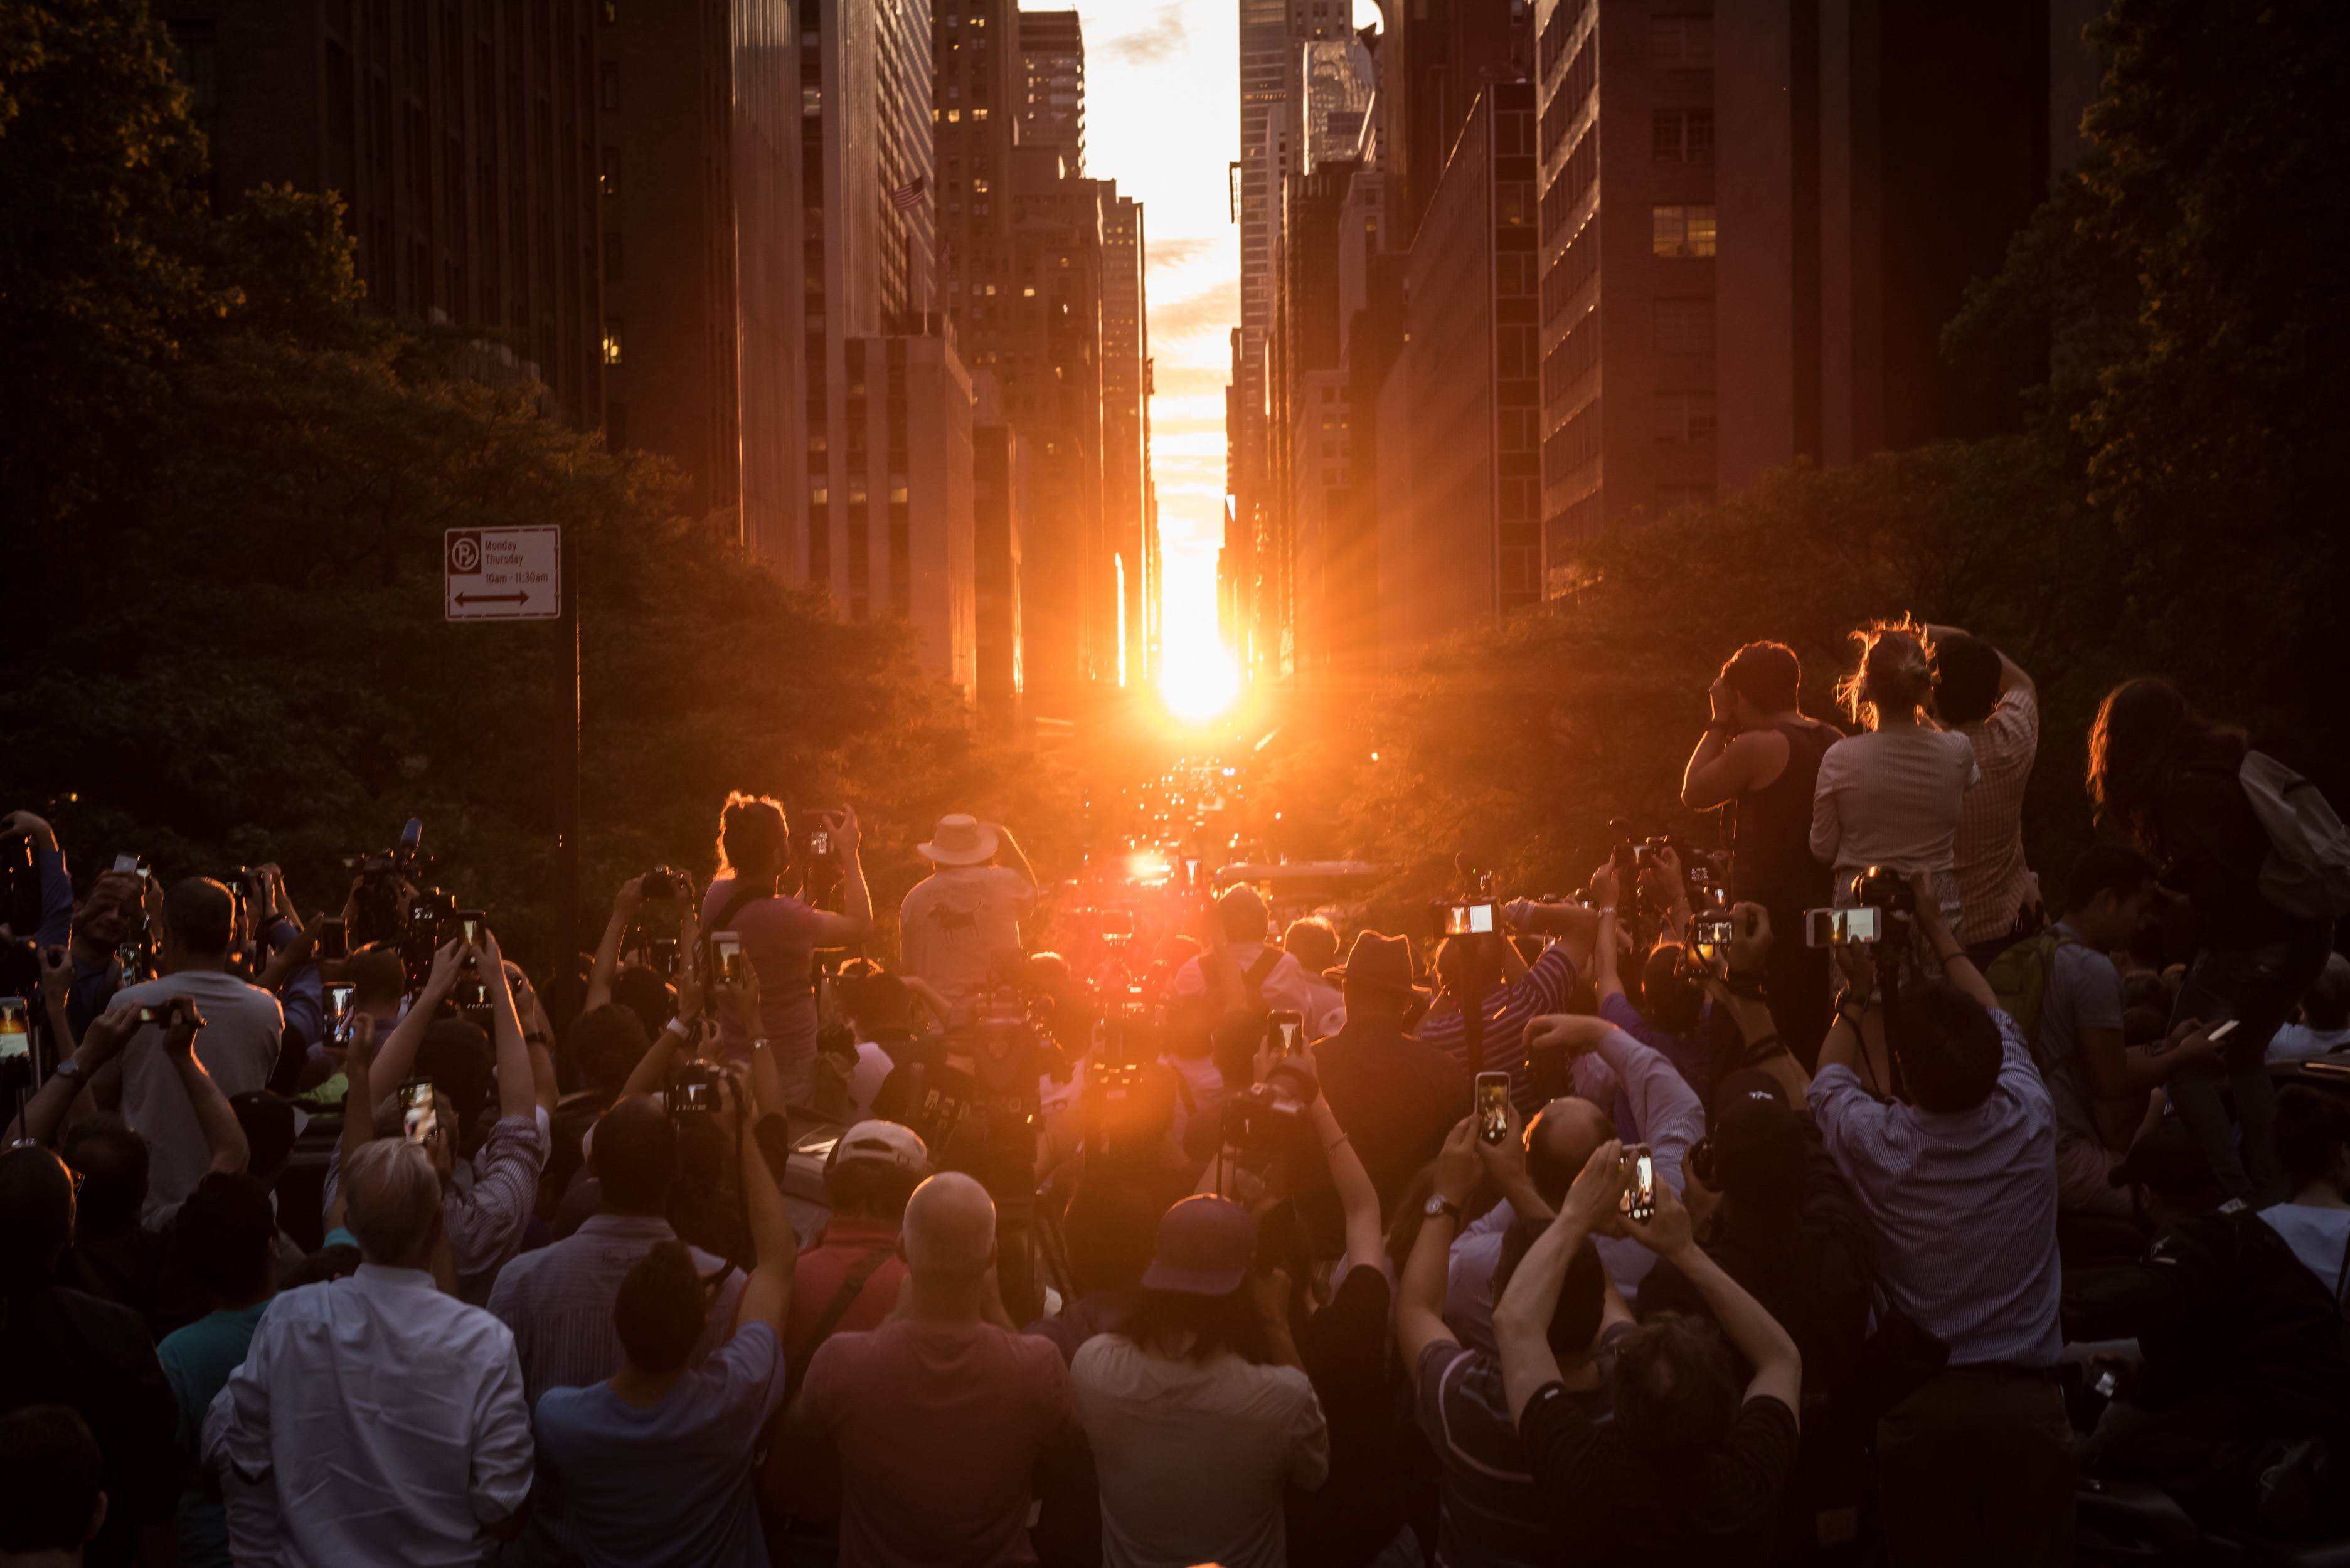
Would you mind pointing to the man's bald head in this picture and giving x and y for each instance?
(950, 1228)
(1559, 1142)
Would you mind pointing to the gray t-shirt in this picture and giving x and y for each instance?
(2085, 992)
(238, 1047)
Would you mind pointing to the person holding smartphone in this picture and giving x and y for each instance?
(777, 932)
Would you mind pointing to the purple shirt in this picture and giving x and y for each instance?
(1960, 1205)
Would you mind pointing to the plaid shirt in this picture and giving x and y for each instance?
(1988, 853)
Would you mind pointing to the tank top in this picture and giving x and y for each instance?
(1772, 862)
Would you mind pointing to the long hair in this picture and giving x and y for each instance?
(2144, 729)
(1179, 1326)
(1896, 673)
(752, 829)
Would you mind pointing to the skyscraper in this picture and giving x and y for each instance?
(1126, 428)
(976, 103)
(1053, 94)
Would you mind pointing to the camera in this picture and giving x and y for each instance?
(1262, 1121)
(1284, 1032)
(1843, 927)
(1475, 919)
(1709, 936)
(1879, 888)
(378, 915)
(693, 1090)
(726, 956)
(661, 882)
(662, 954)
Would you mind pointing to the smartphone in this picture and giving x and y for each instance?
(1492, 1107)
(693, 1092)
(1285, 1030)
(125, 863)
(334, 941)
(1710, 935)
(343, 999)
(1842, 928)
(420, 1117)
(1468, 919)
(1717, 895)
(726, 950)
(469, 924)
(1639, 1199)
(662, 954)
(2219, 1031)
(16, 1030)
(161, 1017)
(819, 843)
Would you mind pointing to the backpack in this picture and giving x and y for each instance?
(2307, 872)
(2019, 978)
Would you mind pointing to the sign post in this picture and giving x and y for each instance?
(529, 574)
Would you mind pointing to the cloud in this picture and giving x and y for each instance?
(1161, 41)
(1177, 253)
(1212, 310)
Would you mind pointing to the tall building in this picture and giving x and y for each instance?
(1049, 363)
(979, 81)
(1126, 428)
(1460, 525)
(665, 86)
(1053, 95)
(463, 139)
(915, 559)
(1312, 448)
(768, 282)
(869, 271)
(1630, 409)
(1003, 495)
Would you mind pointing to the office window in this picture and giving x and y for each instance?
(1680, 42)
(1683, 135)
(607, 179)
(1683, 231)
(1684, 418)
(612, 340)
(1684, 326)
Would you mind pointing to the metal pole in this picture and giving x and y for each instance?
(567, 852)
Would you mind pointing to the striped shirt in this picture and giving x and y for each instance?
(489, 1201)
(557, 1300)
(1988, 853)
(1548, 982)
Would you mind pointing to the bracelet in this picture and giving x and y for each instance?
(1334, 1143)
(1761, 1050)
(758, 1045)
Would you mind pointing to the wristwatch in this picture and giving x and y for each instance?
(1440, 1204)
(68, 1067)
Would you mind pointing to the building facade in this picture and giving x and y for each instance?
(1053, 89)
(463, 139)
(1126, 430)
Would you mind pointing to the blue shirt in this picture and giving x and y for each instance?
(198, 1359)
(671, 1484)
(1961, 1206)
(1687, 1054)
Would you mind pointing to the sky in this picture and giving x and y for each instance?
(1162, 119)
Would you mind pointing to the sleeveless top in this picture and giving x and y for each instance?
(1772, 862)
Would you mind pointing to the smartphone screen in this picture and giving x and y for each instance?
(1286, 1031)
(125, 863)
(1468, 919)
(696, 1097)
(1711, 934)
(1639, 1199)
(418, 1117)
(341, 997)
(16, 1030)
(1842, 928)
(1492, 1107)
(726, 947)
(469, 924)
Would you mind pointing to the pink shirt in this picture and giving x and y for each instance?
(937, 1431)
(779, 937)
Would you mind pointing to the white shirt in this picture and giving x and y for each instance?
(2292, 1039)
(2320, 1238)
(1192, 1454)
(1285, 985)
(375, 1420)
(238, 1047)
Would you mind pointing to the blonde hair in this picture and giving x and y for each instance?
(394, 1196)
(1896, 673)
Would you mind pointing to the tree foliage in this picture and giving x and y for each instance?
(229, 616)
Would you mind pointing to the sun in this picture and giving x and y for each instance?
(1199, 683)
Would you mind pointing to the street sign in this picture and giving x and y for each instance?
(503, 573)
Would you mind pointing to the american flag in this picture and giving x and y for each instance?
(908, 196)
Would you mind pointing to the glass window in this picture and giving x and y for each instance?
(1681, 230)
(1682, 41)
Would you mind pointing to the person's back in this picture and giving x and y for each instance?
(937, 1416)
(956, 921)
(423, 1450)
(1396, 1096)
(1984, 696)
(1197, 1409)
(224, 1235)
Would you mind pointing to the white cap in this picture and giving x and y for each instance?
(886, 1142)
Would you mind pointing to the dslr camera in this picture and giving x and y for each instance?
(662, 882)
(1263, 1122)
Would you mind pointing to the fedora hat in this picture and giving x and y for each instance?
(1381, 962)
(960, 841)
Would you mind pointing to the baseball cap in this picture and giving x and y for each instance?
(883, 1143)
(1748, 1085)
(1204, 1248)
(2168, 1160)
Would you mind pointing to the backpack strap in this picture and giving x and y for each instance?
(1253, 980)
(852, 1285)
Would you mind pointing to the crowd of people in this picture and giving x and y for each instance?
(1843, 1194)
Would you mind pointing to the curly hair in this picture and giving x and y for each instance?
(752, 829)
(1896, 673)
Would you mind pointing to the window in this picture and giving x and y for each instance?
(1683, 231)
(1684, 418)
(1684, 326)
(608, 180)
(608, 86)
(612, 340)
(1683, 135)
(611, 258)
(1680, 42)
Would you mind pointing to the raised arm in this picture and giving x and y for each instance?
(1605, 980)
(607, 967)
(1957, 968)
(855, 922)
(223, 1135)
(56, 994)
(1419, 1297)
(1768, 1348)
(289, 960)
(1576, 926)
(359, 1110)
(1013, 856)
(399, 1052)
(1365, 1246)
(45, 1112)
(1522, 1317)
(767, 1293)
(517, 1081)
